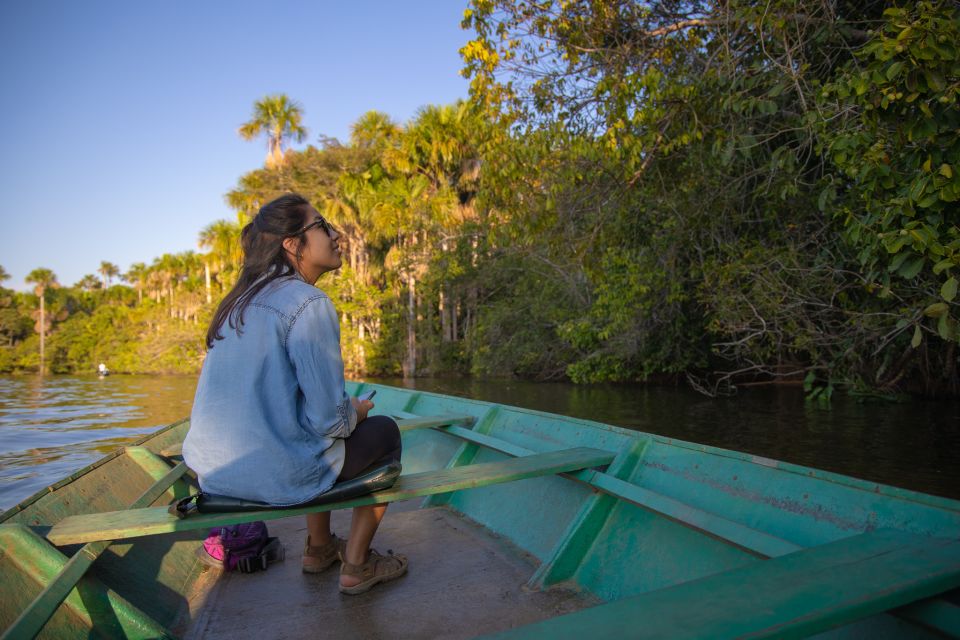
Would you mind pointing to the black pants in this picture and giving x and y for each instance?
(374, 443)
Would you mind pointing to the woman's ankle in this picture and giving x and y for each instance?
(319, 539)
(355, 559)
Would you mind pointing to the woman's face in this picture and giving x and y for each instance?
(320, 252)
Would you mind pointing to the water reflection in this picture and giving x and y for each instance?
(52, 426)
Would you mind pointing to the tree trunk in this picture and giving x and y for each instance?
(455, 312)
(444, 325)
(411, 369)
(361, 335)
(206, 274)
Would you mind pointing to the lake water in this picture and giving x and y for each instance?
(52, 426)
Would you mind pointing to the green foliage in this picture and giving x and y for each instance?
(720, 179)
(896, 137)
(280, 118)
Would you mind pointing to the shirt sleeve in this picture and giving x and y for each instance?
(313, 346)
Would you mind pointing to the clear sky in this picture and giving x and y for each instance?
(119, 119)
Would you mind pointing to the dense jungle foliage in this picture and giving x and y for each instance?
(710, 192)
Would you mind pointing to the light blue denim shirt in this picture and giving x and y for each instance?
(271, 410)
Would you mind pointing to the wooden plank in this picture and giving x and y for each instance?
(466, 453)
(715, 526)
(728, 531)
(150, 521)
(426, 422)
(572, 547)
(29, 623)
(792, 596)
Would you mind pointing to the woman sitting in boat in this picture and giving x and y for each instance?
(271, 420)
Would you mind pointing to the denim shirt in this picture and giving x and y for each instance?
(271, 410)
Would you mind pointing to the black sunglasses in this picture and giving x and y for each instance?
(319, 222)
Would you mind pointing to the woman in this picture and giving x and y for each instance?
(271, 420)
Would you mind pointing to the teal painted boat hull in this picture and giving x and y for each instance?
(664, 513)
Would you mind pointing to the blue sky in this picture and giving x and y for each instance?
(119, 119)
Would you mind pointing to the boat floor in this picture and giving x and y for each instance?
(463, 582)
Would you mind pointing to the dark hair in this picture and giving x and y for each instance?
(264, 258)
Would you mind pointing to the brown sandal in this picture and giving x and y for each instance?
(378, 568)
(317, 559)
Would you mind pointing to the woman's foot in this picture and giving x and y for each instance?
(317, 559)
(358, 578)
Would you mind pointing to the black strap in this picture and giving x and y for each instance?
(272, 551)
(185, 506)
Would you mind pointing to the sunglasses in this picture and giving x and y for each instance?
(319, 222)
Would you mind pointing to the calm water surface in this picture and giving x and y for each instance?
(52, 426)
(55, 425)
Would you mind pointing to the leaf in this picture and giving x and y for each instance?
(928, 201)
(899, 260)
(946, 171)
(942, 265)
(936, 310)
(825, 195)
(894, 70)
(934, 80)
(917, 337)
(949, 290)
(918, 187)
(911, 269)
(945, 327)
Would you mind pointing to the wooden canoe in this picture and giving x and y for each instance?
(526, 524)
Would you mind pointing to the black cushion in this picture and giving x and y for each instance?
(374, 479)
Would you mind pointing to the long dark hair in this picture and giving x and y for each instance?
(264, 258)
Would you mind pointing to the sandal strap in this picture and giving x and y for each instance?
(374, 560)
(331, 548)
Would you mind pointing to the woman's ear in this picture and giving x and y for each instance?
(290, 245)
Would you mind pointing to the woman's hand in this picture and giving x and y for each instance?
(362, 406)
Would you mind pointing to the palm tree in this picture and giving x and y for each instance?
(374, 130)
(88, 282)
(280, 118)
(222, 238)
(108, 271)
(44, 279)
(137, 275)
(4, 276)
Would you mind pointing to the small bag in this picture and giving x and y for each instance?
(242, 547)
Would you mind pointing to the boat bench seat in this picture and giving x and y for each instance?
(794, 595)
(131, 523)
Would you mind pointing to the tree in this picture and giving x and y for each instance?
(43, 279)
(108, 271)
(4, 276)
(137, 275)
(375, 131)
(88, 282)
(281, 119)
(893, 132)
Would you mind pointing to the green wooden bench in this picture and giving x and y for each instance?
(131, 523)
(792, 596)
